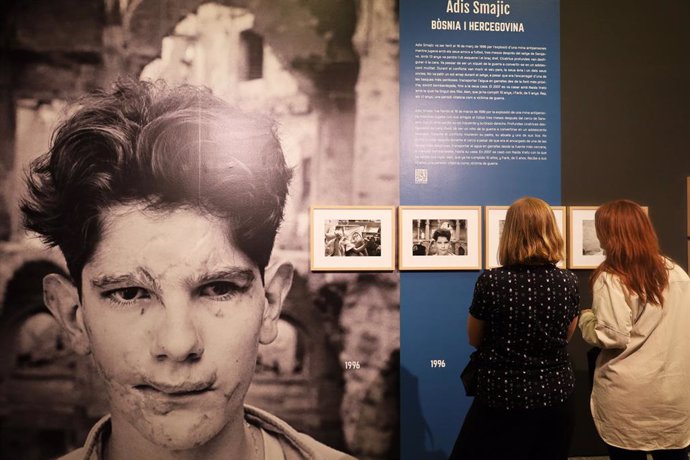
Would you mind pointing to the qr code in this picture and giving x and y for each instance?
(420, 176)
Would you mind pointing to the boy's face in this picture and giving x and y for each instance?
(442, 246)
(173, 314)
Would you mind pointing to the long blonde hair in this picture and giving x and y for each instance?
(530, 234)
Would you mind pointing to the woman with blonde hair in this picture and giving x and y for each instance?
(640, 317)
(521, 318)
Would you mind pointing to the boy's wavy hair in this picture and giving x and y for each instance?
(167, 148)
(441, 232)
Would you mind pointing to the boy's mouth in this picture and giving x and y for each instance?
(164, 398)
(175, 390)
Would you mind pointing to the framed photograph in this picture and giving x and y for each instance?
(352, 238)
(439, 237)
(559, 212)
(494, 219)
(584, 248)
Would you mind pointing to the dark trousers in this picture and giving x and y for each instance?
(528, 434)
(616, 453)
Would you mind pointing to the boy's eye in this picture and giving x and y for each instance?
(128, 294)
(219, 289)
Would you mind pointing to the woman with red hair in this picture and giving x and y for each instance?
(640, 317)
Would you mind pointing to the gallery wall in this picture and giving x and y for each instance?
(623, 123)
(466, 76)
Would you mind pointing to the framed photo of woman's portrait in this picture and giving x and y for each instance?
(439, 237)
(494, 220)
(352, 238)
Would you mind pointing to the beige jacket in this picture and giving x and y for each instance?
(641, 394)
(281, 441)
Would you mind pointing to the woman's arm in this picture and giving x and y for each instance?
(361, 248)
(572, 327)
(475, 330)
(609, 322)
(588, 324)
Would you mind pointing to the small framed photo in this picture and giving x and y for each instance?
(494, 219)
(439, 237)
(559, 212)
(584, 248)
(352, 238)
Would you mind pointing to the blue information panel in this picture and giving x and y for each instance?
(480, 125)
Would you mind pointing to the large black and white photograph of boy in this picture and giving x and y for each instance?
(158, 162)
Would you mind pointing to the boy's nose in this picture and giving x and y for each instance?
(177, 337)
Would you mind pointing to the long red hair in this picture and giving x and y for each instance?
(632, 250)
